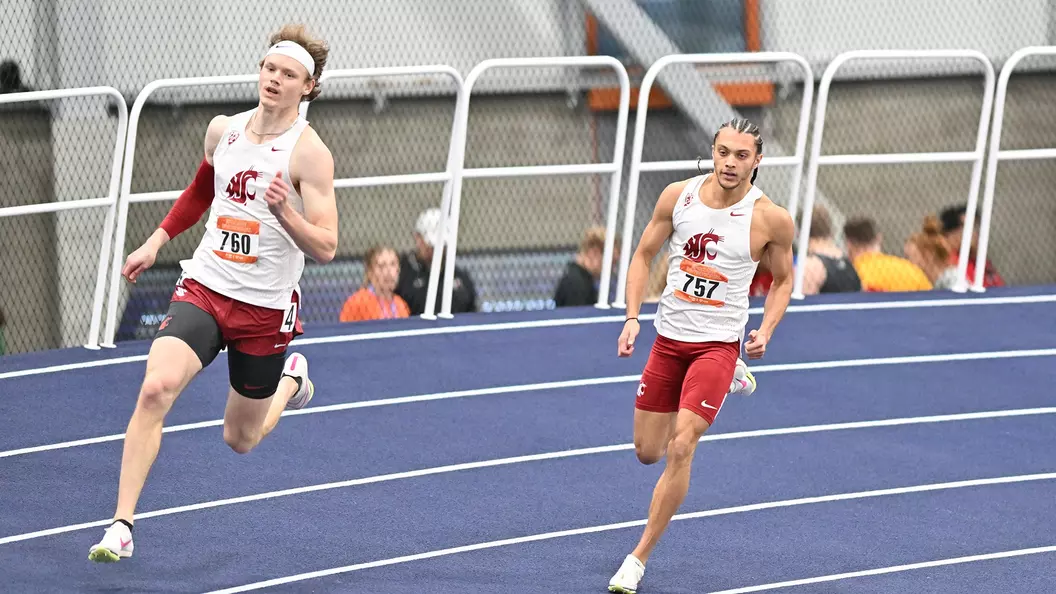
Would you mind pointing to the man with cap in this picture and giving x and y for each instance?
(413, 285)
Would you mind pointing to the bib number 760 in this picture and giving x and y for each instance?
(239, 240)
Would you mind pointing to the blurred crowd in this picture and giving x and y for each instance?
(929, 258)
(395, 285)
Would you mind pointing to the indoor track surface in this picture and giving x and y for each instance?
(896, 443)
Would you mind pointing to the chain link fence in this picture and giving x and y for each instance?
(52, 152)
(517, 235)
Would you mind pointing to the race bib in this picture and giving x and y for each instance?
(289, 318)
(701, 284)
(239, 240)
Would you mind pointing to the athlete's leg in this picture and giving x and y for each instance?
(652, 434)
(657, 400)
(188, 341)
(653, 430)
(263, 381)
(670, 490)
(261, 388)
(171, 365)
(673, 484)
(706, 383)
(705, 388)
(255, 385)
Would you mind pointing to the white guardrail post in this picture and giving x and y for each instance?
(613, 168)
(995, 156)
(110, 200)
(973, 156)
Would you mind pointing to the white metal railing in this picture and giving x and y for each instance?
(996, 155)
(637, 166)
(127, 197)
(614, 168)
(817, 159)
(109, 201)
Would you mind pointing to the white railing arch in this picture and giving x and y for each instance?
(796, 160)
(127, 197)
(817, 159)
(111, 199)
(995, 156)
(614, 168)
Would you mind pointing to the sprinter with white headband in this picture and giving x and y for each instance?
(270, 182)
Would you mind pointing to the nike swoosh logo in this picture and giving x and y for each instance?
(125, 543)
(706, 405)
(275, 150)
(736, 214)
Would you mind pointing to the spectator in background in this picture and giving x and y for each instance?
(928, 250)
(413, 284)
(953, 229)
(879, 271)
(11, 78)
(827, 268)
(579, 285)
(377, 299)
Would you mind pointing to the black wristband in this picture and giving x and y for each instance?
(629, 319)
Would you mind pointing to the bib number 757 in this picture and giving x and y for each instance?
(701, 284)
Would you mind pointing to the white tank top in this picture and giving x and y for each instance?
(245, 253)
(709, 269)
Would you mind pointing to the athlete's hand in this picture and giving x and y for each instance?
(276, 195)
(630, 332)
(755, 347)
(138, 261)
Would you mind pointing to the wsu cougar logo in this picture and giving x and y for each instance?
(237, 188)
(696, 248)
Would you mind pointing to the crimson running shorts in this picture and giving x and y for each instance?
(691, 375)
(248, 329)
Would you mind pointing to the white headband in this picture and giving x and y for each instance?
(295, 51)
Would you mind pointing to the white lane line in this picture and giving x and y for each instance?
(72, 366)
(340, 407)
(550, 323)
(534, 458)
(619, 526)
(891, 569)
(813, 365)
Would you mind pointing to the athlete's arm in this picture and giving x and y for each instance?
(778, 253)
(187, 210)
(656, 233)
(312, 169)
